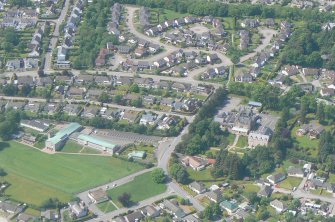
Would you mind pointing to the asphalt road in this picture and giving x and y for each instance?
(54, 39)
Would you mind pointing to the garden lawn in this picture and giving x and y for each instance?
(290, 182)
(106, 207)
(35, 176)
(141, 188)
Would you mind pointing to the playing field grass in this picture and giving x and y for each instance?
(35, 176)
(141, 188)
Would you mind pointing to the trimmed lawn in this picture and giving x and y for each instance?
(309, 146)
(242, 142)
(290, 182)
(71, 147)
(331, 178)
(40, 145)
(106, 207)
(168, 14)
(36, 176)
(141, 188)
(248, 188)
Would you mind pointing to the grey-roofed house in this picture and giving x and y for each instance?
(215, 195)
(78, 209)
(181, 87)
(75, 92)
(72, 109)
(90, 112)
(98, 196)
(265, 191)
(151, 211)
(295, 172)
(51, 215)
(278, 205)
(276, 178)
(197, 187)
(173, 208)
(24, 217)
(134, 216)
(84, 79)
(94, 93)
(10, 207)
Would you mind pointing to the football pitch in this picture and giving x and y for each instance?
(35, 176)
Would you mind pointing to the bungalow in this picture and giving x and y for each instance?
(102, 80)
(197, 187)
(250, 23)
(295, 172)
(167, 102)
(24, 217)
(278, 206)
(75, 92)
(90, 112)
(143, 65)
(98, 196)
(144, 82)
(11, 208)
(276, 178)
(196, 163)
(68, 80)
(72, 109)
(123, 80)
(84, 79)
(229, 206)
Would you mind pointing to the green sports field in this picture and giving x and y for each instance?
(35, 176)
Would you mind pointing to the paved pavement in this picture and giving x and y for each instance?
(54, 39)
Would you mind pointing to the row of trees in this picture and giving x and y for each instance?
(201, 8)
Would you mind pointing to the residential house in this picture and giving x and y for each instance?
(276, 178)
(150, 211)
(123, 81)
(265, 191)
(290, 70)
(172, 207)
(75, 92)
(215, 196)
(295, 172)
(181, 87)
(90, 112)
(130, 115)
(213, 58)
(10, 207)
(148, 119)
(84, 79)
(229, 206)
(196, 163)
(72, 109)
(134, 216)
(98, 196)
(102, 80)
(197, 187)
(144, 82)
(78, 209)
(278, 206)
(243, 77)
(325, 92)
(24, 217)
